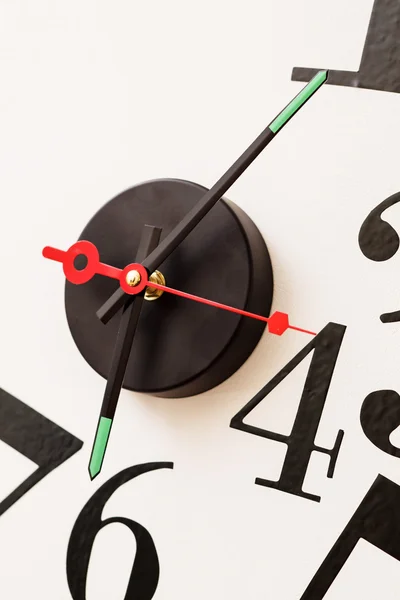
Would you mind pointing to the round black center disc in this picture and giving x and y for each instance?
(180, 347)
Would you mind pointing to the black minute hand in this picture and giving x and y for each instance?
(189, 222)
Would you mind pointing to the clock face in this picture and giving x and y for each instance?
(172, 448)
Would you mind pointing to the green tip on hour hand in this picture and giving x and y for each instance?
(122, 349)
(123, 344)
(179, 233)
(99, 446)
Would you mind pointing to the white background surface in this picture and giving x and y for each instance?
(98, 96)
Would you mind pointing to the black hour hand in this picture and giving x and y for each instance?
(122, 349)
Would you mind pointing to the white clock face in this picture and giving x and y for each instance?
(293, 494)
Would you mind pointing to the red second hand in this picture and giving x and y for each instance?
(278, 322)
(238, 311)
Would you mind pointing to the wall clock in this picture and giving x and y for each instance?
(216, 339)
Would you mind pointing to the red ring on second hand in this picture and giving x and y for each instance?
(84, 275)
(144, 279)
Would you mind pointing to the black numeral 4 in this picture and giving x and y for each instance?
(301, 441)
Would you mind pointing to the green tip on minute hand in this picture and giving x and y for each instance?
(298, 101)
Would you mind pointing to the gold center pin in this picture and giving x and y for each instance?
(133, 279)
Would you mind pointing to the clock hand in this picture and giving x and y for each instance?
(123, 344)
(179, 233)
(391, 317)
(94, 266)
(126, 331)
(278, 322)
